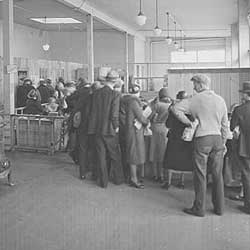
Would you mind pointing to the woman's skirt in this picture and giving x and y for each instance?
(158, 142)
(178, 155)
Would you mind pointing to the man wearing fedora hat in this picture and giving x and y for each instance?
(104, 125)
(241, 118)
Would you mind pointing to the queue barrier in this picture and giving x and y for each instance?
(38, 132)
(20, 110)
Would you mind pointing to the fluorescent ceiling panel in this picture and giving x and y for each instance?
(49, 20)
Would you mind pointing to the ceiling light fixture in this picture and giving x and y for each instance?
(157, 30)
(46, 46)
(176, 45)
(168, 39)
(55, 20)
(141, 18)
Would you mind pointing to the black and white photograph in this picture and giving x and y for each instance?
(124, 124)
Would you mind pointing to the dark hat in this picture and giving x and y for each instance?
(60, 79)
(182, 95)
(134, 89)
(163, 93)
(246, 87)
(41, 81)
(83, 81)
(112, 76)
(48, 81)
(26, 80)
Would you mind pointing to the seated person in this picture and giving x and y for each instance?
(33, 104)
(52, 106)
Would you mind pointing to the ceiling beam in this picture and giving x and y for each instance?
(191, 33)
(83, 6)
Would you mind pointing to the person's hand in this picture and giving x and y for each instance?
(117, 130)
(224, 149)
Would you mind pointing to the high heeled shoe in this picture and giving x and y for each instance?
(136, 185)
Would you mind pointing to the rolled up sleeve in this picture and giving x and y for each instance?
(180, 110)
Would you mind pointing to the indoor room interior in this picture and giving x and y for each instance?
(153, 44)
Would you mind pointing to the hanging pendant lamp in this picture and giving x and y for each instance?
(141, 18)
(176, 45)
(46, 46)
(157, 30)
(168, 39)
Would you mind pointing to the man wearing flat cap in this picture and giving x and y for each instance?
(241, 118)
(104, 125)
(209, 142)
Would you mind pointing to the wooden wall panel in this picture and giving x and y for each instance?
(33, 66)
(225, 82)
(54, 69)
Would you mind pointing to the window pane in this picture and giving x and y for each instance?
(183, 57)
(211, 56)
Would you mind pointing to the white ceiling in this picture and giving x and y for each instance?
(26, 9)
(200, 16)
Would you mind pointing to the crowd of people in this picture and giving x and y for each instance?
(108, 130)
(46, 98)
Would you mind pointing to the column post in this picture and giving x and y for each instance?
(90, 47)
(243, 33)
(8, 38)
(126, 63)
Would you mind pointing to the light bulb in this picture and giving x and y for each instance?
(141, 19)
(157, 31)
(46, 47)
(169, 40)
(176, 45)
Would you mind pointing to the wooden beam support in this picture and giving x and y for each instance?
(8, 38)
(90, 48)
(235, 45)
(126, 62)
(85, 7)
(243, 29)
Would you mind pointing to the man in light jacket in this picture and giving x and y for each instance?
(209, 142)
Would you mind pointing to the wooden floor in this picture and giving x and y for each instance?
(51, 209)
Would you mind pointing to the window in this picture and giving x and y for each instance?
(199, 56)
(43, 73)
(205, 56)
(184, 57)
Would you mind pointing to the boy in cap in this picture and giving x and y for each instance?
(209, 142)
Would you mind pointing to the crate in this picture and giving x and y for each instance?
(41, 133)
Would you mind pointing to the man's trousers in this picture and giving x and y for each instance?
(245, 170)
(208, 148)
(108, 150)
